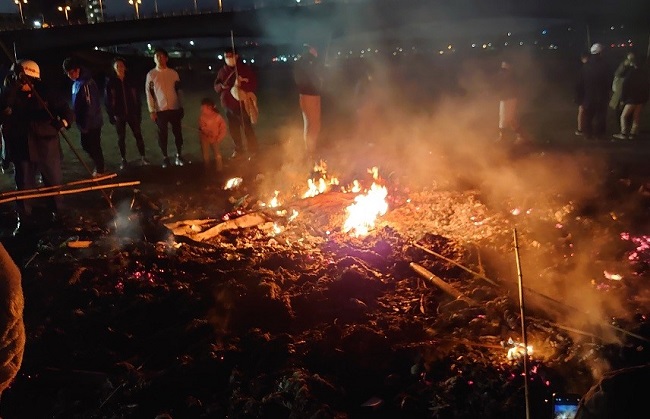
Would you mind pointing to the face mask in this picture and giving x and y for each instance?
(230, 62)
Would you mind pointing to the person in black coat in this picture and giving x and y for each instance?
(124, 106)
(31, 120)
(596, 82)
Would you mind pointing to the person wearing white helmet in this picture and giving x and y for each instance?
(31, 120)
(595, 82)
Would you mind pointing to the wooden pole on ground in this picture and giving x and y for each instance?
(522, 315)
(69, 191)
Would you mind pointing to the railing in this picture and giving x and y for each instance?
(228, 7)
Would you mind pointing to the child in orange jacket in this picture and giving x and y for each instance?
(212, 128)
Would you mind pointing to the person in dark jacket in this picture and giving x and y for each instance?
(124, 106)
(635, 91)
(596, 81)
(87, 108)
(308, 76)
(31, 120)
(236, 75)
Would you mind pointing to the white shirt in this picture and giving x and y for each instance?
(162, 90)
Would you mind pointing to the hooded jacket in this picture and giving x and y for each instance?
(86, 102)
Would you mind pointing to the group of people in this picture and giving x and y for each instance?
(32, 116)
(625, 93)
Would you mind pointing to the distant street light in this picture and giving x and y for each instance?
(136, 4)
(20, 7)
(65, 9)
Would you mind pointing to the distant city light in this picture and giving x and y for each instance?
(252, 60)
(210, 67)
(37, 24)
(148, 46)
(473, 45)
(220, 57)
(509, 33)
(244, 61)
(544, 32)
(192, 43)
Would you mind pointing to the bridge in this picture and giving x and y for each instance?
(291, 25)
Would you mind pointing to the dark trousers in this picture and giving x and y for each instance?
(120, 127)
(47, 161)
(237, 121)
(172, 117)
(595, 120)
(91, 142)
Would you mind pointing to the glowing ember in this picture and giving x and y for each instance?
(233, 183)
(613, 277)
(365, 210)
(642, 244)
(518, 350)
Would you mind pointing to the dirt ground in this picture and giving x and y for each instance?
(293, 317)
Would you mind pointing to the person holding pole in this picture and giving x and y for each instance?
(238, 78)
(31, 120)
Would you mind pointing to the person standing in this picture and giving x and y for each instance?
(212, 130)
(635, 91)
(580, 95)
(124, 107)
(308, 76)
(239, 78)
(508, 88)
(31, 120)
(87, 108)
(164, 100)
(616, 101)
(596, 82)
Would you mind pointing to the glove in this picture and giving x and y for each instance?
(182, 112)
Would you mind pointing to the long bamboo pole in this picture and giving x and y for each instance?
(69, 191)
(532, 291)
(49, 188)
(522, 316)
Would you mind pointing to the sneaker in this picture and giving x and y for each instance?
(620, 136)
(166, 163)
(179, 160)
(144, 161)
(124, 164)
(579, 133)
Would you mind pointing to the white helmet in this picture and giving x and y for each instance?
(30, 68)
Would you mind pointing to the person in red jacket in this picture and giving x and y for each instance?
(233, 77)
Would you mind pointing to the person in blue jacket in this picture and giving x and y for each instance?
(86, 104)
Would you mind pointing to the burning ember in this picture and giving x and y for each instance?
(517, 350)
(366, 208)
(613, 277)
(233, 183)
